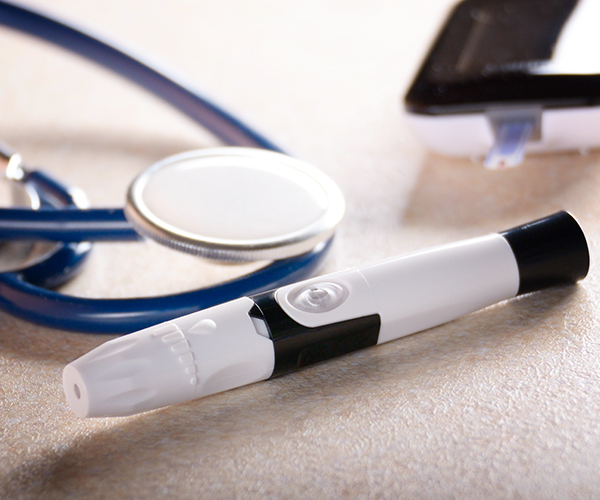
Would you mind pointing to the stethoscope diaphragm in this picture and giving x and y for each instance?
(235, 204)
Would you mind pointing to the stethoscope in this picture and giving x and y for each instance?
(56, 229)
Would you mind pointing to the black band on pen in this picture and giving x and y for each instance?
(549, 251)
(297, 346)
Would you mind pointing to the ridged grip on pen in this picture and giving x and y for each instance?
(549, 251)
(193, 356)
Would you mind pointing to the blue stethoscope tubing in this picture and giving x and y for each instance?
(27, 293)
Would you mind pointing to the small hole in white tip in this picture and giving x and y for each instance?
(77, 391)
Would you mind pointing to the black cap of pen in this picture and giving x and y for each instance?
(549, 251)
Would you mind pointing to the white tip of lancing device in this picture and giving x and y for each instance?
(186, 358)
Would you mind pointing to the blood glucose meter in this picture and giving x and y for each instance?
(508, 77)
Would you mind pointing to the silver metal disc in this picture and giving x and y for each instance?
(16, 255)
(235, 204)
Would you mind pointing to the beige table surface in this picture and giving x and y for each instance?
(504, 403)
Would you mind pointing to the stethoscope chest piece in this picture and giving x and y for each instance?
(235, 204)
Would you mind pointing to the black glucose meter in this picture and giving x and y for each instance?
(506, 77)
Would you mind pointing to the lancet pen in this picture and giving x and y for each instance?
(259, 337)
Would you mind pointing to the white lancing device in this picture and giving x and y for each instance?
(256, 338)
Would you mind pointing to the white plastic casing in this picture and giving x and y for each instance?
(222, 347)
(434, 286)
(471, 134)
(413, 292)
(193, 356)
